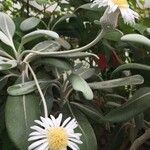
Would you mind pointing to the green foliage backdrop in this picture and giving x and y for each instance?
(58, 56)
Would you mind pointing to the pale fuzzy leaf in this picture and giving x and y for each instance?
(29, 23)
(7, 64)
(132, 80)
(89, 7)
(47, 46)
(5, 39)
(137, 38)
(63, 43)
(5, 54)
(25, 88)
(7, 25)
(79, 84)
(85, 73)
(39, 33)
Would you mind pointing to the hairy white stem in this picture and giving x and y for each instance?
(39, 90)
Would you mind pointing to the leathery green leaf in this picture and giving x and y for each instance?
(136, 105)
(54, 62)
(130, 66)
(20, 113)
(88, 136)
(90, 112)
(25, 88)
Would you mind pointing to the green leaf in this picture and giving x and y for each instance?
(88, 7)
(88, 137)
(47, 46)
(139, 27)
(49, 98)
(114, 35)
(5, 39)
(136, 105)
(118, 140)
(130, 66)
(20, 113)
(53, 62)
(29, 23)
(25, 88)
(2, 118)
(3, 53)
(3, 81)
(6, 64)
(64, 17)
(43, 2)
(79, 84)
(142, 2)
(90, 112)
(63, 43)
(115, 97)
(6, 142)
(132, 80)
(137, 38)
(148, 30)
(85, 73)
(7, 29)
(7, 25)
(39, 33)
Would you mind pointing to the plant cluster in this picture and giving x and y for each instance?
(79, 59)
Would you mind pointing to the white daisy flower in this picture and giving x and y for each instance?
(128, 14)
(53, 134)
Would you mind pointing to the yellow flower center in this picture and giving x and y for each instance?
(57, 139)
(121, 3)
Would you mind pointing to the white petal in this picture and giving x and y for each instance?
(59, 119)
(53, 120)
(72, 124)
(46, 124)
(113, 8)
(37, 137)
(66, 121)
(40, 123)
(75, 140)
(38, 129)
(73, 146)
(35, 133)
(50, 122)
(42, 147)
(75, 135)
(37, 143)
(128, 15)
